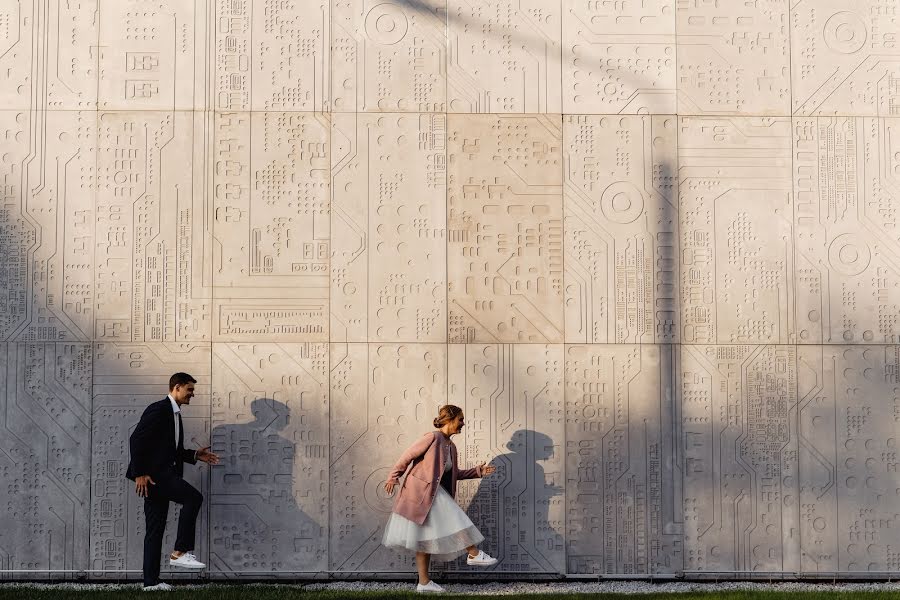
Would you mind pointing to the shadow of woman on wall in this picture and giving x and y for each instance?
(511, 507)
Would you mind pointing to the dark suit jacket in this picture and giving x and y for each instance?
(152, 443)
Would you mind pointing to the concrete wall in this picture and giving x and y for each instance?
(651, 248)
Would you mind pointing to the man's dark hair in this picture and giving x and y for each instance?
(180, 379)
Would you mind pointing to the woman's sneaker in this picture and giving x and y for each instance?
(429, 588)
(481, 560)
(187, 561)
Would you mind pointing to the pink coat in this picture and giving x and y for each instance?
(424, 477)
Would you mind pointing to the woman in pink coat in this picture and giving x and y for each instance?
(426, 518)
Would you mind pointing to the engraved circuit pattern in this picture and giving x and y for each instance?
(650, 248)
(738, 413)
(621, 219)
(623, 471)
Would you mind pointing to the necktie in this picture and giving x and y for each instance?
(179, 430)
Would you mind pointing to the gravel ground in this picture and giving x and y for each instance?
(612, 587)
(515, 588)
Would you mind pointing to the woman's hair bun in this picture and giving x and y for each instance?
(447, 413)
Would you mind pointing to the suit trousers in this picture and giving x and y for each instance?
(170, 487)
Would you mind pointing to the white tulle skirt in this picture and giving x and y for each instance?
(445, 534)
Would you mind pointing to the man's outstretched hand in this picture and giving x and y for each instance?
(210, 458)
(141, 485)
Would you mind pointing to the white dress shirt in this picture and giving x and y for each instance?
(175, 410)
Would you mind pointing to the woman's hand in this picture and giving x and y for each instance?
(486, 469)
(389, 487)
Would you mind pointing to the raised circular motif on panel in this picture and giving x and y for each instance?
(622, 202)
(375, 495)
(845, 32)
(849, 254)
(386, 24)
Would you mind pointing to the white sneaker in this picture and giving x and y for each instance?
(159, 587)
(429, 588)
(187, 561)
(482, 560)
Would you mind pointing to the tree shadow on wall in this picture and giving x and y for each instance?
(511, 507)
(660, 197)
(256, 524)
(529, 37)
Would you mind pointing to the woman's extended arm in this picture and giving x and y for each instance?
(475, 472)
(419, 448)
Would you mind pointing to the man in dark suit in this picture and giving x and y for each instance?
(157, 468)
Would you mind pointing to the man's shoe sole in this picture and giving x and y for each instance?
(183, 566)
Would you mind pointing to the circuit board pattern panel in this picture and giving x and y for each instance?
(127, 379)
(388, 227)
(738, 441)
(849, 407)
(619, 57)
(845, 58)
(388, 56)
(47, 199)
(512, 397)
(504, 249)
(504, 56)
(269, 494)
(271, 55)
(341, 214)
(733, 58)
(621, 218)
(153, 253)
(153, 55)
(847, 184)
(45, 457)
(623, 482)
(383, 397)
(48, 55)
(271, 227)
(736, 217)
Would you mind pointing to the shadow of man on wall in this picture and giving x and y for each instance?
(511, 507)
(256, 524)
